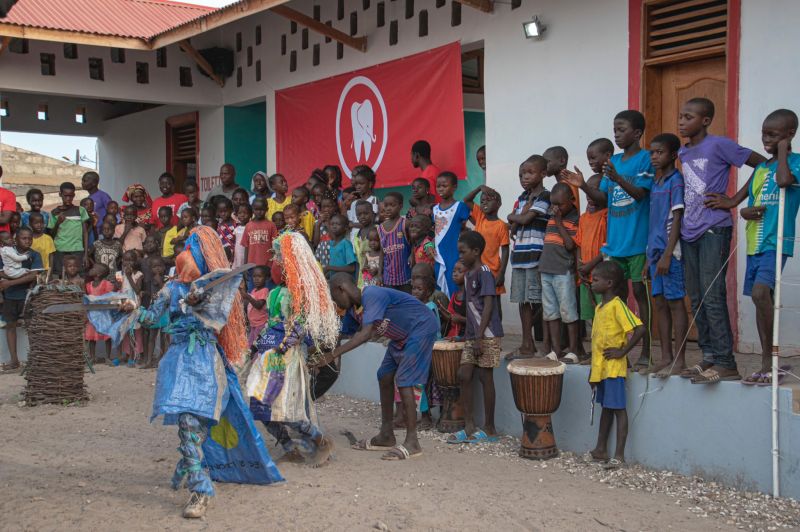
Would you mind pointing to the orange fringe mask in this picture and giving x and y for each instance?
(311, 297)
(233, 337)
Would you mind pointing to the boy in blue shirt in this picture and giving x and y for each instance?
(664, 260)
(625, 189)
(780, 171)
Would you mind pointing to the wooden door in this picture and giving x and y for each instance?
(183, 141)
(698, 79)
(672, 85)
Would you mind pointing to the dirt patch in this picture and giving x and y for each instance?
(103, 466)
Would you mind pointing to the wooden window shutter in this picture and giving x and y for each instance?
(684, 29)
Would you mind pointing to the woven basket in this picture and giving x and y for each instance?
(55, 354)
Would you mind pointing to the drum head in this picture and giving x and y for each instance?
(447, 345)
(536, 366)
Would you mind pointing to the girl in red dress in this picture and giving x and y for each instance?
(97, 283)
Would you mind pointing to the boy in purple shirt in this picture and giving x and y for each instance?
(90, 183)
(706, 235)
(411, 330)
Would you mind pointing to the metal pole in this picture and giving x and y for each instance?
(776, 328)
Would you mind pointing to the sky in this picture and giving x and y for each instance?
(56, 146)
(59, 146)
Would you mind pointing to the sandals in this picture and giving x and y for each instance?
(367, 445)
(713, 376)
(481, 437)
(399, 453)
(552, 356)
(570, 358)
(9, 368)
(614, 463)
(693, 371)
(765, 378)
(458, 437)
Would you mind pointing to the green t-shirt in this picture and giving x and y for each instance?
(69, 236)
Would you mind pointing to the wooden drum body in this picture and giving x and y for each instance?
(444, 364)
(536, 384)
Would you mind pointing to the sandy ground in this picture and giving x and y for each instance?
(102, 466)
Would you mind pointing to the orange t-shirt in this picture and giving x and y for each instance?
(495, 232)
(576, 195)
(591, 234)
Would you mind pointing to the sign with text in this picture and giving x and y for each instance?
(207, 183)
(373, 116)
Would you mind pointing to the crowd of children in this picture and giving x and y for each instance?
(665, 231)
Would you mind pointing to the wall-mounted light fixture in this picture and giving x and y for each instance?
(534, 28)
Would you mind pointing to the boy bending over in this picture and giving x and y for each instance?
(407, 323)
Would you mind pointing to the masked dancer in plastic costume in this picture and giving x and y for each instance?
(301, 315)
(196, 385)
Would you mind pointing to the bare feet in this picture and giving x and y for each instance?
(668, 370)
(598, 456)
(521, 352)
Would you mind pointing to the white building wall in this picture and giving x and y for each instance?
(133, 148)
(23, 109)
(22, 72)
(768, 80)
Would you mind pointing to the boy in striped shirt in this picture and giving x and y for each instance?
(557, 270)
(528, 222)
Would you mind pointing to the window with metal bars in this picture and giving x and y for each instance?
(697, 27)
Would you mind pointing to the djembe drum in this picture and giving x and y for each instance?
(536, 384)
(445, 362)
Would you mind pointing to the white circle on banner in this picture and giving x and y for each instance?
(361, 80)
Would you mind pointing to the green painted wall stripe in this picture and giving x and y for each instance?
(246, 140)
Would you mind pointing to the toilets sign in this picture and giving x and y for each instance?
(372, 117)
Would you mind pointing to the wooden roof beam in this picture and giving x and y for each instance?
(204, 65)
(357, 43)
(72, 37)
(215, 19)
(487, 6)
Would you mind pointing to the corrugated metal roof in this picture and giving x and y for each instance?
(141, 19)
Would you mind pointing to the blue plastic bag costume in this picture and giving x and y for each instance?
(197, 388)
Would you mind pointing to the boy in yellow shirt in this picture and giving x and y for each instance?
(613, 322)
(42, 243)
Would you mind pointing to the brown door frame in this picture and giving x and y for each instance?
(637, 78)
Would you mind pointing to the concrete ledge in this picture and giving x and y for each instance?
(720, 431)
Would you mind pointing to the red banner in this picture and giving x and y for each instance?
(373, 116)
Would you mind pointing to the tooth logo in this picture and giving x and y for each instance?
(368, 130)
(362, 118)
